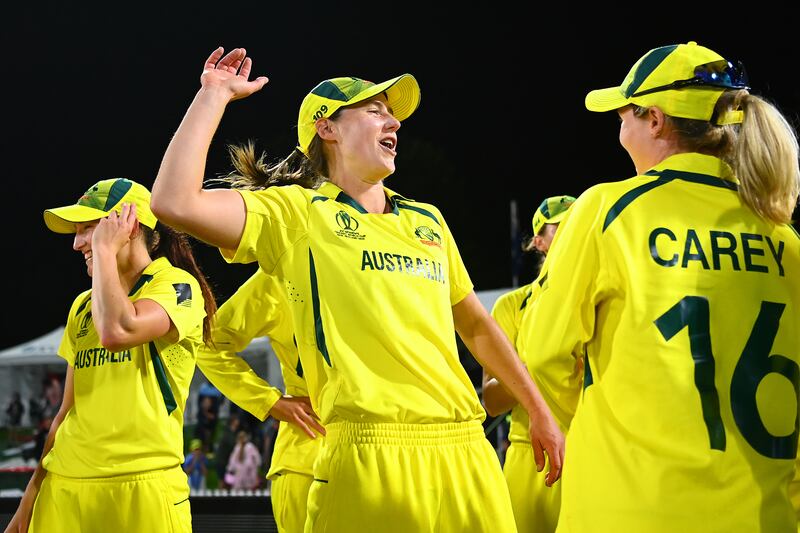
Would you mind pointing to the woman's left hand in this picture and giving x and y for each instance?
(114, 231)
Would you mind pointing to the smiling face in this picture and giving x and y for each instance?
(83, 242)
(364, 139)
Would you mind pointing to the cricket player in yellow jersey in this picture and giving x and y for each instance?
(259, 308)
(376, 288)
(682, 287)
(112, 460)
(535, 505)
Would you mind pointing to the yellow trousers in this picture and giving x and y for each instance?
(536, 506)
(289, 497)
(150, 502)
(408, 478)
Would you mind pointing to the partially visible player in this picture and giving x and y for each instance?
(535, 505)
(259, 308)
(112, 460)
(681, 286)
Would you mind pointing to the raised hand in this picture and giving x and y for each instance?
(114, 231)
(231, 73)
(297, 410)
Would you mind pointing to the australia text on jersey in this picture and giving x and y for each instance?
(392, 262)
(99, 357)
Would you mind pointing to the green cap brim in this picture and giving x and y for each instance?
(606, 99)
(63, 219)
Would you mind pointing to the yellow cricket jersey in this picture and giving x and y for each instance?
(508, 308)
(687, 306)
(128, 411)
(508, 311)
(371, 297)
(259, 308)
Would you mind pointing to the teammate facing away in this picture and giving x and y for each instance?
(535, 505)
(260, 308)
(112, 461)
(681, 286)
(405, 446)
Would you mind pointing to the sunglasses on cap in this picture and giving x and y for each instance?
(721, 73)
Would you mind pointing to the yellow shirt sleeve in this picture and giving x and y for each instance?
(460, 282)
(66, 348)
(507, 311)
(253, 311)
(179, 294)
(276, 218)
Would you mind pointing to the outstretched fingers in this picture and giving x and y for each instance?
(212, 60)
(232, 60)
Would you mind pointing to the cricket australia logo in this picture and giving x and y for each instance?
(348, 226)
(84, 326)
(427, 236)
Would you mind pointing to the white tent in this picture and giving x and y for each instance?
(25, 366)
(38, 351)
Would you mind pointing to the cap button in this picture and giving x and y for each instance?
(692, 43)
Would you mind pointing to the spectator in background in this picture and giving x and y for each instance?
(14, 412)
(52, 392)
(242, 471)
(34, 410)
(225, 445)
(196, 465)
(206, 420)
(269, 432)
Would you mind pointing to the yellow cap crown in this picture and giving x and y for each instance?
(683, 80)
(98, 201)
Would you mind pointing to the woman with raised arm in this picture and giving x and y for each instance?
(376, 288)
(112, 460)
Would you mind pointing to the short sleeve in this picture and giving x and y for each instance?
(178, 292)
(66, 349)
(460, 282)
(277, 217)
(504, 313)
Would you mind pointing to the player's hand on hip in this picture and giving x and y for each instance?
(297, 410)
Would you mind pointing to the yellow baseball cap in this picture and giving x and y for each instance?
(551, 211)
(101, 199)
(195, 444)
(402, 92)
(683, 80)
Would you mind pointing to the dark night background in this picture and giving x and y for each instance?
(94, 91)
